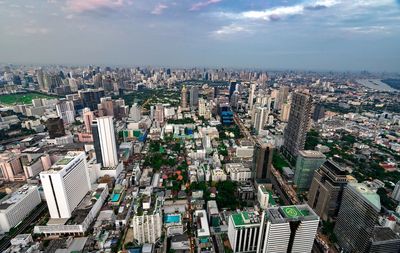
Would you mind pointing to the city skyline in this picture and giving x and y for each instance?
(301, 35)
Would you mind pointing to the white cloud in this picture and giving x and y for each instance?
(229, 30)
(159, 9)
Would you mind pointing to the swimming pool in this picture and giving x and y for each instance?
(115, 197)
(175, 218)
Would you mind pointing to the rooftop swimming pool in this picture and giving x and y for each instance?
(172, 218)
(115, 197)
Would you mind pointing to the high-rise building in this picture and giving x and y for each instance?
(278, 229)
(281, 98)
(135, 113)
(55, 127)
(285, 112)
(326, 190)
(307, 162)
(147, 228)
(159, 114)
(396, 192)
(262, 160)
(251, 95)
(106, 106)
(65, 184)
(40, 79)
(244, 231)
(91, 97)
(16, 206)
(104, 141)
(358, 215)
(319, 112)
(88, 118)
(384, 240)
(204, 109)
(288, 229)
(66, 111)
(184, 97)
(260, 117)
(298, 124)
(194, 96)
(232, 88)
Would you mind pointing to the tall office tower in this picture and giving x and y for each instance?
(358, 215)
(66, 111)
(288, 229)
(326, 191)
(184, 97)
(244, 231)
(159, 114)
(396, 192)
(308, 161)
(55, 127)
(251, 95)
(318, 113)
(40, 79)
(65, 184)
(232, 88)
(261, 115)
(104, 141)
(91, 97)
(281, 98)
(194, 96)
(285, 112)
(135, 113)
(297, 127)
(262, 160)
(88, 118)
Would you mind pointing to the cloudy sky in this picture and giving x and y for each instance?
(270, 34)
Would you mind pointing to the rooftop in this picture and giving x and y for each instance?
(16, 196)
(370, 195)
(291, 213)
(311, 154)
(245, 218)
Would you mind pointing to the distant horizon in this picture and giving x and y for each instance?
(267, 69)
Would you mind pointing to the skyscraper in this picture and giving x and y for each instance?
(91, 97)
(278, 229)
(297, 127)
(65, 184)
(104, 141)
(326, 190)
(88, 118)
(232, 88)
(194, 96)
(288, 229)
(184, 97)
(251, 95)
(285, 112)
(261, 114)
(282, 97)
(319, 112)
(307, 162)
(66, 111)
(357, 217)
(262, 160)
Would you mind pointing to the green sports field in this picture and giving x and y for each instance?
(21, 98)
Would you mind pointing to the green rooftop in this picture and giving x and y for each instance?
(64, 161)
(245, 218)
(292, 212)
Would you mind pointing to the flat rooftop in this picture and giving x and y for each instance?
(16, 196)
(285, 214)
(311, 154)
(245, 218)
